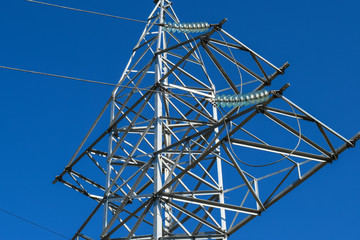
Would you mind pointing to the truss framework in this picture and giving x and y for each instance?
(171, 163)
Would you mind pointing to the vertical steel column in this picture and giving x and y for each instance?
(220, 175)
(108, 168)
(157, 225)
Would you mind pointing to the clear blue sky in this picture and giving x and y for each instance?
(43, 119)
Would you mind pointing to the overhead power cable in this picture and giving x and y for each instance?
(57, 76)
(35, 224)
(86, 11)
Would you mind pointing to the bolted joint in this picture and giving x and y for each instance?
(57, 179)
(260, 108)
(68, 169)
(279, 93)
(218, 26)
(334, 157)
(204, 39)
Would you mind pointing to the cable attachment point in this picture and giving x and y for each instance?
(279, 92)
(57, 179)
(218, 26)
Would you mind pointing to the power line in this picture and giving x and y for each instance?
(86, 11)
(57, 76)
(35, 224)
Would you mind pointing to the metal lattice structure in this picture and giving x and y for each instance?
(176, 165)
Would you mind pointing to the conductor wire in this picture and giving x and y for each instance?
(86, 11)
(232, 55)
(57, 76)
(35, 224)
(268, 164)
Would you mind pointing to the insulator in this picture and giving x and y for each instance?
(186, 27)
(242, 99)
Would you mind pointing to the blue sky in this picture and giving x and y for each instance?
(43, 119)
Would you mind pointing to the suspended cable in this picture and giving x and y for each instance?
(232, 55)
(268, 164)
(57, 76)
(35, 224)
(86, 11)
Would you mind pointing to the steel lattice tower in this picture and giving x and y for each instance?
(170, 155)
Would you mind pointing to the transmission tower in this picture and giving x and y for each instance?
(198, 143)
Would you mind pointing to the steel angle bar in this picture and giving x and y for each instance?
(202, 236)
(309, 173)
(231, 59)
(327, 139)
(136, 216)
(220, 68)
(231, 45)
(194, 216)
(141, 218)
(316, 120)
(281, 182)
(127, 108)
(211, 146)
(142, 237)
(139, 196)
(176, 220)
(135, 148)
(263, 142)
(175, 164)
(194, 54)
(102, 136)
(167, 61)
(180, 44)
(286, 113)
(205, 217)
(122, 139)
(95, 184)
(211, 203)
(126, 86)
(296, 133)
(179, 56)
(132, 91)
(89, 132)
(198, 192)
(191, 174)
(105, 237)
(209, 129)
(127, 199)
(75, 180)
(119, 187)
(128, 71)
(240, 224)
(208, 174)
(188, 89)
(174, 226)
(273, 76)
(192, 107)
(238, 42)
(146, 42)
(259, 65)
(242, 175)
(96, 163)
(87, 220)
(186, 170)
(66, 183)
(179, 181)
(280, 150)
(179, 62)
(85, 237)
